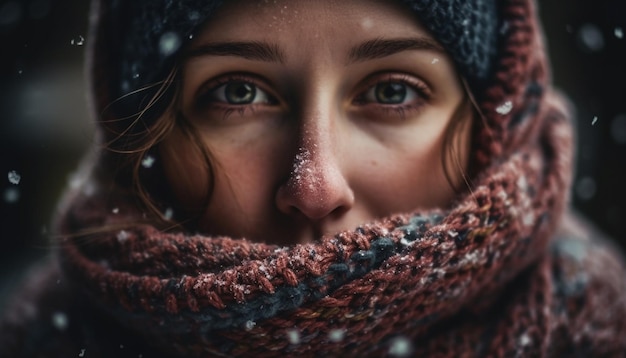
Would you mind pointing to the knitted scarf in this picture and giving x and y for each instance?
(470, 279)
(366, 290)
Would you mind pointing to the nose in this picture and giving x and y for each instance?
(317, 187)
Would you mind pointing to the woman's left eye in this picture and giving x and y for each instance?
(390, 93)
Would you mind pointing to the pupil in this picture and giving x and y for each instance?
(390, 93)
(240, 93)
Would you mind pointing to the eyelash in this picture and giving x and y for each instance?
(205, 100)
(422, 92)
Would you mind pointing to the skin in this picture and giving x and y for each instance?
(320, 149)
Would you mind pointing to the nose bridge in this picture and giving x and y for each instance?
(315, 163)
(317, 185)
(316, 153)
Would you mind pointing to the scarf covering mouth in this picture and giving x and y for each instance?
(390, 286)
(358, 291)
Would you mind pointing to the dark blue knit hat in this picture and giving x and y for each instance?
(144, 37)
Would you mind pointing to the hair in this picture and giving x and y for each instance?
(452, 141)
(452, 144)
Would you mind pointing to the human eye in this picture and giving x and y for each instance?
(239, 93)
(393, 92)
(390, 93)
(233, 93)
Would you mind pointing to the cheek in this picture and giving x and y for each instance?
(247, 172)
(186, 170)
(418, 174)
(414, 168)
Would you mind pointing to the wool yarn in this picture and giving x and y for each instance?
(398, 277)
(501, 272)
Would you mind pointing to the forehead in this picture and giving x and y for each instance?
(265, 20)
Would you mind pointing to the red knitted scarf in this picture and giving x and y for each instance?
(407, 284)
(358, 291)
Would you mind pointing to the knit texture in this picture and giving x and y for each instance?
(492, 275)
(358, 291)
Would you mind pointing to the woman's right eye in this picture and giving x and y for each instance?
(239, 93)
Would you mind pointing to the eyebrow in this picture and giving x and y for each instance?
(379, 48)
(267, 52)
(260, 51)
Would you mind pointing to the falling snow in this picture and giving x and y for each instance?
(169, 43)
(82, 352)
(147, 161)
(59, 320)
(168, 214)
(524, 340)
(505, 108)
(619, 33)
(14, 177)
(586, 188)
(336, 335)
(400, 347)
(435, 60)
(79, 41)
(11, 195)
(293, 336)
(115, 210)
(591, 38)
(250, 325)
(122, 236)
(594, 120)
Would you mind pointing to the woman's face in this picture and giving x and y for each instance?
(318, 115)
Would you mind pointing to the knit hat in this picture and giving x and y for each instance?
(144, 38)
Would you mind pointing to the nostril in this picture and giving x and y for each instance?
(293, 211)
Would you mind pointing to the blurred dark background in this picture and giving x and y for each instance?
(45, 128)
